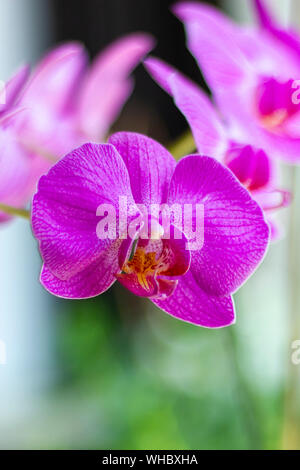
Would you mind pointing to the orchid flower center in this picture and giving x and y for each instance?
(143, 265)
(275, 103)
(151, 267)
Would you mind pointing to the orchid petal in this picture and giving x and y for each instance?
(107, 86)
(206, 125)
(160, 71)
(15, 174)
(12, 89)
(56, 78)
(64, 212)
(272, 199)
(193, 305)
(95, 279)
(211, 40)
(251, 166)
(235, 232)
(288, 38)
(150, 166)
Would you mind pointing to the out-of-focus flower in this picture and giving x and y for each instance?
(17, 167)
(62, 105)
(252, 166)
(69, 104)
(251, 74)
(194, 285)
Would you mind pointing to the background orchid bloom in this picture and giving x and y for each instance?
(62, 105)
(17, 168)
(69, 104)
(251, 74)
(192, 285)
(252, 166)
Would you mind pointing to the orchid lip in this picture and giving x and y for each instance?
(151, 267)
(276, 103)
(143, 265)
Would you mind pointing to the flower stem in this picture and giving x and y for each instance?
(14, 211)
(184, 145)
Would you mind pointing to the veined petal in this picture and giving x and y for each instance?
(235, 232)
(193, 305)
(150, 166)
(64, 212)
(90, 282)
(107, 84)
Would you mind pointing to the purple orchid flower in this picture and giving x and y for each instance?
(252, 76)
(194, 285)
(252, 166)
(69, 104)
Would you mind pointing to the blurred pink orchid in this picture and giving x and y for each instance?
(17, 166)
(251, 74)
(62, 105)
(69, 104)
(251, 165)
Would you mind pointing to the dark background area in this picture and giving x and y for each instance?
(98, 22)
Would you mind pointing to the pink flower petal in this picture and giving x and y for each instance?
(288, 38)
(235, 232)
(12, 89)
(251, 166)
(160, 71)
(50, 98)
(95, 279)
(272, 199)
(15, 174)
(211, 39)
(64, 209)
(107, 85)
(234, 60)
(150, 166)
(207, 128)
(57, 78)
(193, 305)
